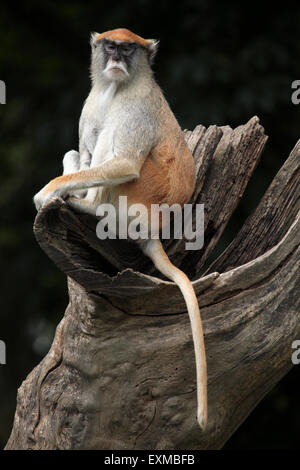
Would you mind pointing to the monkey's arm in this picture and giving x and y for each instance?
(112, 172)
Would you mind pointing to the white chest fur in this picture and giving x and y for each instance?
(96, 130)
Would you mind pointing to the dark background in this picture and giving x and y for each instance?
(219, 63)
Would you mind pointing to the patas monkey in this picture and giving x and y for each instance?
(130, 144)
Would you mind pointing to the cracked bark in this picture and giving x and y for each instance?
(120, 373)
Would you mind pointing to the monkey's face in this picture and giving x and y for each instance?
(118, 60)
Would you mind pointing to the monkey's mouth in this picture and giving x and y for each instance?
(117, 68)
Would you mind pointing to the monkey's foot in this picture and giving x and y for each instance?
(81, 205)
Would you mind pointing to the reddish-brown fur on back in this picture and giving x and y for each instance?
(122, 34)
(167, 176)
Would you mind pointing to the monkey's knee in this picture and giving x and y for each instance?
(71, 162)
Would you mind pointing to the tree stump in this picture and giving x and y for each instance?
(121, 371)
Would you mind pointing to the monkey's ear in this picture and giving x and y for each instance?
(94, 39)
(152, 45)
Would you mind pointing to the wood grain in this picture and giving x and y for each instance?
(120, 373)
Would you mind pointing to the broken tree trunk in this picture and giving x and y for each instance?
(121, 373)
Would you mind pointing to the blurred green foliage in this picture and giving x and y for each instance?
(219, 63)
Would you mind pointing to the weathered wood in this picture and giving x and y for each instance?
(234, 159)
(280, 204)
(120, 373)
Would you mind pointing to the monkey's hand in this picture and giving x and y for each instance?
(51, 189)
(44, 195)
(71, 164)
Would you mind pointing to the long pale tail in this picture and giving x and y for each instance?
(155, 251)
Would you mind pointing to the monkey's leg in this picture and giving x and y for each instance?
(112, 172)
(72, 164)
(85, 160)
(154, 249)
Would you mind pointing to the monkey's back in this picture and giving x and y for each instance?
(168, 174)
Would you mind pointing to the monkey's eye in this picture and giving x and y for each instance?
(109, 47)
(127, 49)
